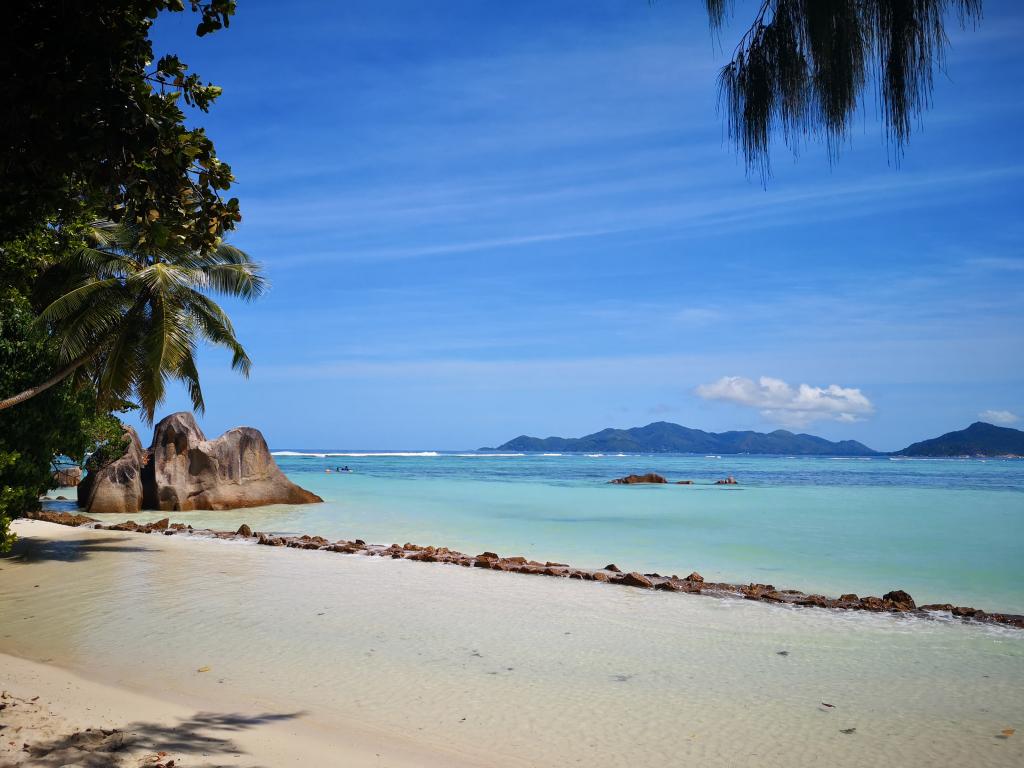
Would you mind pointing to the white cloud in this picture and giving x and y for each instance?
(999, 417)
(790, 406)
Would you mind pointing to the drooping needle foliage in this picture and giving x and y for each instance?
(802, 68)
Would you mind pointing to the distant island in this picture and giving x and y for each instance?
(979, 439)
(665, 437)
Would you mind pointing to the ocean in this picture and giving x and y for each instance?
(949, 530)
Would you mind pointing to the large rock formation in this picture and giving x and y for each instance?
(117, 487)
(182, 470)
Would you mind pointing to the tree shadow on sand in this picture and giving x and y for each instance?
(205, 734)
(28, 549)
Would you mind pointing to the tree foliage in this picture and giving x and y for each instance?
(91, 127)
(90, 121)
(802, 67)
(62, 421)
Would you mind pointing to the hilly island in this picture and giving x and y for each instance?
(979, 439)
(665, 437)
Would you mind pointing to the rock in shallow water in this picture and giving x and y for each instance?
(650, 477)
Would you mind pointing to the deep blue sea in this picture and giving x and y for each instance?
(944, 529)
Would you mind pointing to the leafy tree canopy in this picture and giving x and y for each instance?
(90, 121)
(802, 67)
(62, 420)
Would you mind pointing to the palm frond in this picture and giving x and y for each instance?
(216, 327)
(241, 280)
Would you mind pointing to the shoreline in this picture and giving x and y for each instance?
(454, 666)
(896, 601)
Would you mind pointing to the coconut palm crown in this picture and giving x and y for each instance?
(134, 313)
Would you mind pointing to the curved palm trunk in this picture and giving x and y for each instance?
(55, 379)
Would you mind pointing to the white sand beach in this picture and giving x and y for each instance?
(278, 656)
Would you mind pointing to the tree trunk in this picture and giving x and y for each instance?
(56, 379)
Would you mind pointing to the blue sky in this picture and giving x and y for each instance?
(488, 219)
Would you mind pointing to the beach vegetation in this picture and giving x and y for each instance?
(93, 120)
(64, 420)
(95, 130)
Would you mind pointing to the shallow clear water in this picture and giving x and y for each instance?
(944, 530)
(516, 670)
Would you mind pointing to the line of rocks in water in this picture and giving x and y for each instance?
(896, 601)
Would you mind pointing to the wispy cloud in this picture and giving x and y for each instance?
(791, 406)
(999, 417)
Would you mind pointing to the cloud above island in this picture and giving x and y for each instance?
(790, 406)
(999, 417)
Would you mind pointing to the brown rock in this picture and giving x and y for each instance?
(650, 477)
(872, 603)
(244, 530)
(61, 518)
(183, 470)
(236, 470)
(634, 579)
(67, 477)
(116, 487)
(600, 576)
(131, 525)
(695, 577)
(613, 568)
(730, 480)
(900, 599)
(817, 601)
(849, 597)
(670, 585)
(965, 612)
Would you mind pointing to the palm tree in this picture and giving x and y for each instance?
(135, 312)
(801, 70)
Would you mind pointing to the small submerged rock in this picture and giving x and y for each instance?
(901, 600)
(634, 579)
(650, 477)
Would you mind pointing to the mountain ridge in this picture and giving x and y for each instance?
(666, 437)
(979, 439)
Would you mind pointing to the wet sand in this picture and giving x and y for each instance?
(420, 661)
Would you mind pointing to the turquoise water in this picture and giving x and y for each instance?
(944, 530)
